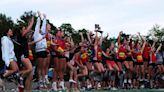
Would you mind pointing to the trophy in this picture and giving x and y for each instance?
(98, 28)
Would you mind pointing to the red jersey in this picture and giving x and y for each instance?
(146, 52)
(30, 55)
(48, 39)
(139, 57)
(129, 53)
(61, 45)
(153, 58)
(121, 52)
(84, 57)
(99, 54)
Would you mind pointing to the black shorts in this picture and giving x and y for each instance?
(41, 54)
(53, 56)
(84, 63)
(139, 63)
(68, 59)
(60, 56)
(146, 59)
(121, 60)
(96, 61)
(152, 65)
(129, 59)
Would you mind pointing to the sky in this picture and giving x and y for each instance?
(113, 16)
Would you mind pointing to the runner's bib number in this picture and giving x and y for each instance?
(122, 54)
(139, 58)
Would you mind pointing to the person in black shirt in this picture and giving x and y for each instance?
(26, 71)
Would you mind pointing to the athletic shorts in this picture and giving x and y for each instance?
(84, 63)
(96, 61)
(152, 65)
(67, 59)
(146, 60)
(112, 63)
(41, 54)
(58, 56)
(159, 62)
(139, 63)
(121, 60)
(129, 59)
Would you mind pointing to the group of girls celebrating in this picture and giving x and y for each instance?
(125, 63)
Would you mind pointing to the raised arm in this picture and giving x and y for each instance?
(159, 48)
(153, 44)
(96, 39)
(101, 39)
(88, 36)
(72, 43)
(119, 37)
(82, 37)
(43, 28)
(143, 46)
(139, 36)
(30, 24)
(37, 26)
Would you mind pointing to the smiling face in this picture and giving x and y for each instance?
(48, 27)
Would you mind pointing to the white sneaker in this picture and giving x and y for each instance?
(21, 82)
(130, 81)
(62, 85)
(113, 88)
(54, 86)
(72, 81)
(44, 85)
(125, 80)
(40, 84)
(89, 86)
(142, 86)
(109, 86)
(99, 85)
(46, 80)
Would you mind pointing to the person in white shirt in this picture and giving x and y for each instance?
(41, 49)
(8, 55)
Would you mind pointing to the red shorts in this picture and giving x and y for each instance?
(112, 63)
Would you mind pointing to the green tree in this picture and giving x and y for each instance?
(156, 31)
(67, 28)
(25, 18)
(5, 23)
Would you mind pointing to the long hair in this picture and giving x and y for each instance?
(2, 63)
